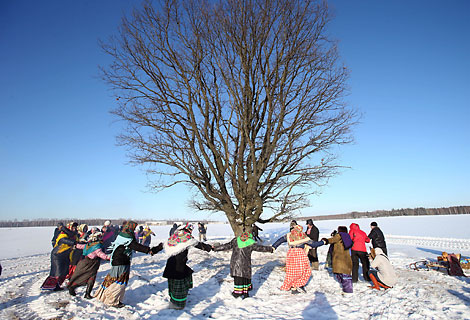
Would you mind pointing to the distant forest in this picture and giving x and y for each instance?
(395, 213)
(89, 222)
(351, 215)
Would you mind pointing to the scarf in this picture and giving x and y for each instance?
(91, 247)
(123, 239)
(179, 241)
(245, 240)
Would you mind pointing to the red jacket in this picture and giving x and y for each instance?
(359, 238)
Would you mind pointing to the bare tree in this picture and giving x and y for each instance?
(241, 99)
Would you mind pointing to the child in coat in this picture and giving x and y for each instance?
(240, 262)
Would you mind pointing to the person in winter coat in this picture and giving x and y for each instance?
(111, 292)
(255, 232)
(359, 252)
(240, 262)
(313, 233)
(108, 234)
(147, 236)
(57, 231)
(60, 257)
(179, 275)
(87, 268)
(77, 252)
(377, 237)
(202, 231)
(384, 275)
(341, 259)
(298, 270)
(139, 234)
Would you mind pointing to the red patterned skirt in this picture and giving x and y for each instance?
(297, 269)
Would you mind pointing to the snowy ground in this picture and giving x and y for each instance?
(418, 295)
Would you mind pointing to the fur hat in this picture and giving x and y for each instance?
(309, 222)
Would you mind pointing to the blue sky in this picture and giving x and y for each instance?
(410, 70)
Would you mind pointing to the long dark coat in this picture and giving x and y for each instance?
(176, 267)
(378, 239)
(240, 262)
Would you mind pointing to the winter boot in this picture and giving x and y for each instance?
(89, 288)
(72, 291)
(374, 281)
(315, 265)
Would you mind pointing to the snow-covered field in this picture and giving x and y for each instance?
(418, 295)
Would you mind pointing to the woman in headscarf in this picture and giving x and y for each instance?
(87, 268)
(298, 270)
(111, 292)
(179, 275)
(60, 257)
(240, 262)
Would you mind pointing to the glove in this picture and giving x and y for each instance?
(156, 249)
(325, 240)
(272, 249)
(206, 247)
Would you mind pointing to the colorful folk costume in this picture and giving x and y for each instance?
(60, 258)
(341, 258)
(77, 253)
(87, 268)
(298, 270)
(179, 275)
(240, 262)
(147, 236)
(111, 292)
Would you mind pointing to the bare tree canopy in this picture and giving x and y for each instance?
(241, 99)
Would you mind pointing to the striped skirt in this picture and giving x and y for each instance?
(298, 270)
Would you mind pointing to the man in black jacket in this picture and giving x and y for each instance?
(377, 237)
(313, 233)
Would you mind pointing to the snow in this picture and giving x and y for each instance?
(418, 294)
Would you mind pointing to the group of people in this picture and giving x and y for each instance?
(346, 249)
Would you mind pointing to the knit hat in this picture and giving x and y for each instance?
(83, 227)
(107, 223)
(373, 224)
(309, 222)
